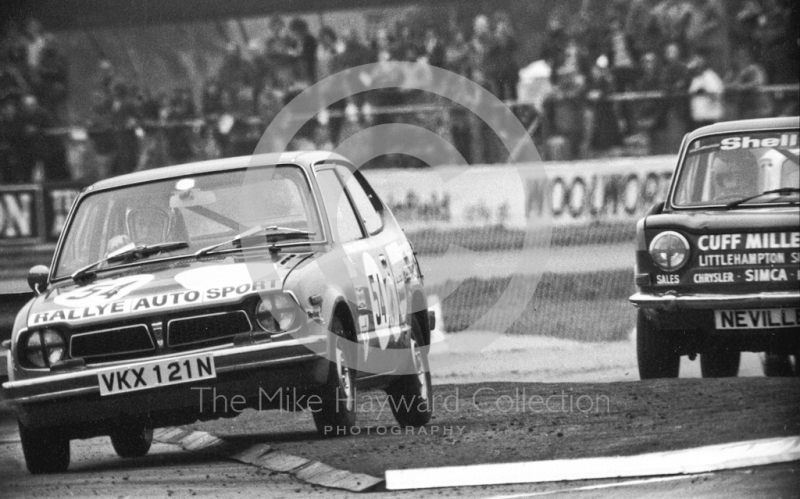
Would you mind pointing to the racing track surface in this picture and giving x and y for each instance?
(482, 427)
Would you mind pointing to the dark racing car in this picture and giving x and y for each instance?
(718, 263)
(193, 292)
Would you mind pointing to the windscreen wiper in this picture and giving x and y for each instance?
(783, 191)
(128, 252)
(276, 229)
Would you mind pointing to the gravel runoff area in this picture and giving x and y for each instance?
(496, 422)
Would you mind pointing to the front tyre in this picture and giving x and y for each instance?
(132, 439)
(46, 450)
(336, 414)
(720, 362)
(656, 351)
(410, 397)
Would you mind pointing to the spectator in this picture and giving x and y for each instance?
(53, 80)
(124, 119)
(707, 33)
(642, 26)
(382, 46)
(179, 135)
(649, 112)
(352, 52)
(705, 91)
(565, 107)
(743, 84)
(12, 79)
(212, 100)
(605, 132)
(40, 149)
(237, 75)
(456, 54)
(405, 47)
(623, 70)
(434, 49)
(101, 133)
(674, 83)
(35, 43)
(326, 52)
(673, 17)
(502, 61)
(304, 51)
(479, 50)
(623, 58)
(555, 42)
(12, 168)
(277, 44)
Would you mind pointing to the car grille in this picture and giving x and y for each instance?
(109, 344)
(207, 330)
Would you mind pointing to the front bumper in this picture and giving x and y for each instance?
(704, 301)
(74, 397)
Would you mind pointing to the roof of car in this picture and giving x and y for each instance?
(301, 158)
(747, 126)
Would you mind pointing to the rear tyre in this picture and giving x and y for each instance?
(655, 350)
(777, 365)
(720, 362)
(410, 397)
(46, 450)
(336, 415)
(132, 439)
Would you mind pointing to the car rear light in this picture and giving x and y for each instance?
(669, 251)
(44, 348)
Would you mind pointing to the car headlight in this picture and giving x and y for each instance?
(669, 250)
(276, 313)
(44, 348)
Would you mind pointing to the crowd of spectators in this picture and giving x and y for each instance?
(703, 63)
(707, 63)
(33, 99)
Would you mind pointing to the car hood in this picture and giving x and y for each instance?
(748, 220)
(160, 287)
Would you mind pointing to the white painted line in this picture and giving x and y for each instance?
(687, 461)
(628, 483)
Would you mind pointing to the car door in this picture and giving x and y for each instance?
(367, 276)
(385, 266)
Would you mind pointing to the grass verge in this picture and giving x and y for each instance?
(584, 307)
(498, 238)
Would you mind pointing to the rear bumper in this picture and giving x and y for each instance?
(672, 302)
(252, 372)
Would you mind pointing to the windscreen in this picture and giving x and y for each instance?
(723, 169)
(200, 210)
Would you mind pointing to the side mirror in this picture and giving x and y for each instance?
(37, 278)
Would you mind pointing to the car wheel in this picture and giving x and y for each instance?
(336, 414)
(132, 439)
(655, 350)
(720, 362)
(777, 365)
(410, 397)
(46, 450)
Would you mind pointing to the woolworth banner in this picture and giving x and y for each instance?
(575, 193)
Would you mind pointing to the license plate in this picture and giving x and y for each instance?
(758, 318)
(154, 374)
